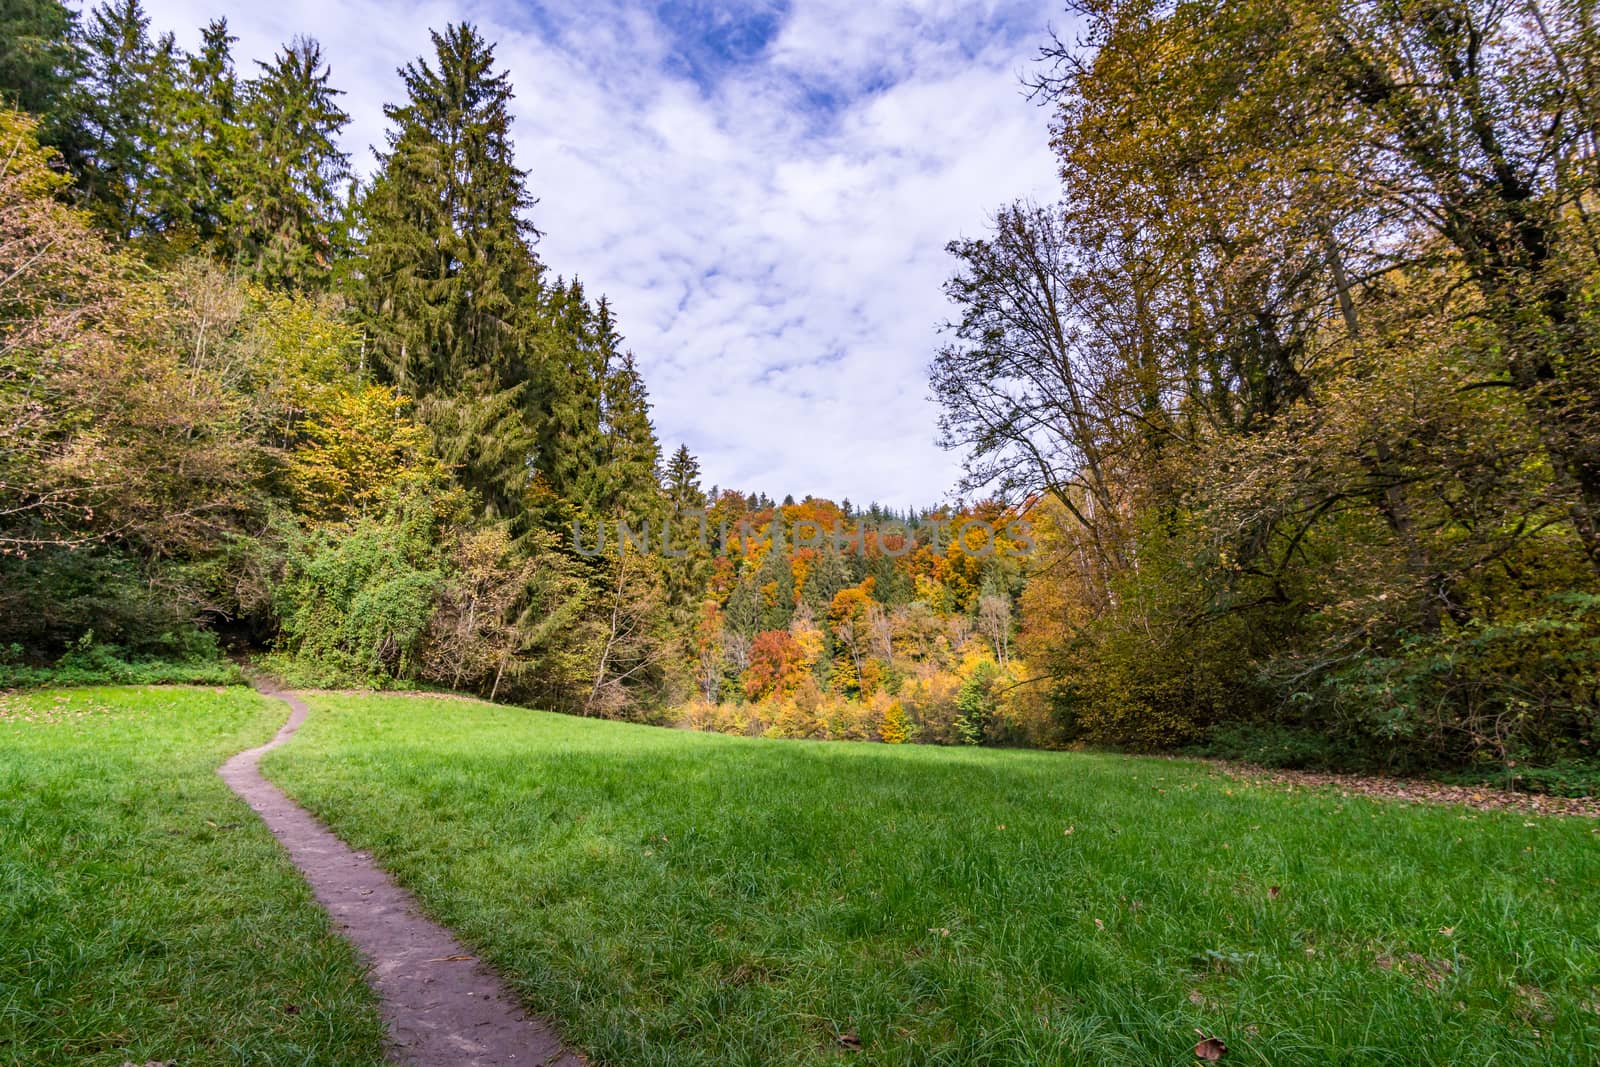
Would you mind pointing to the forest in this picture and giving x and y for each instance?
(1281, 424)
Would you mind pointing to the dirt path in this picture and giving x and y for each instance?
(443, 1007)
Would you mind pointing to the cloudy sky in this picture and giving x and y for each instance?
(764, 189)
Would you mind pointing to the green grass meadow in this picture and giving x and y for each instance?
(146, 915)
(679, 898)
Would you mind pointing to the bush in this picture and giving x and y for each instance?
(975, 704)
(1513, 692)
(52, 596)
(897, 727)
(190, 657)
(355, 604)
(1279, 745)
(1565, 779)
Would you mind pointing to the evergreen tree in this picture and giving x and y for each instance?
(39, 61)
(571, 350)
(448, 268)
(683, 480)
(631, 456)
(744, 608)
(827, 576)
(891, 586)
(125, 74)
(196, 142)
(288, 216)
(775, 582)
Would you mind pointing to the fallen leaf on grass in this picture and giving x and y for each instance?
(849, 1039)
(1210, 1049)
(1430, 972)
(1533, 1005)
(1273, 891)
(1414, 791)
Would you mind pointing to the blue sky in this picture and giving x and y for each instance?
(764, 189)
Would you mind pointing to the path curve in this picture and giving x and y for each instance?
(443, 1007)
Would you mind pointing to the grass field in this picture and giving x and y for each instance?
(145, 913)
(677, 898)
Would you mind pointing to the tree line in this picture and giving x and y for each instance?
(1295, 381)
(246, 396)
(356, 427)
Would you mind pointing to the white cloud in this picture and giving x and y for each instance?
(771, 230)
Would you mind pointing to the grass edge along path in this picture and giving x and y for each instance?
(145, 915)
(442, 1006)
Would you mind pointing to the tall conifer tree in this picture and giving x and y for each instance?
(196, 143)
(125, 74)
(683, 480)
(570, 346)
(39, 60)
(448, 265)
(629, 476)
(289, 213)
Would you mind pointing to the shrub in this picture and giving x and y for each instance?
(355, 604)
(897, 728)
(975, 703)
(1280, 745)
(1511, 692)
(186, 657)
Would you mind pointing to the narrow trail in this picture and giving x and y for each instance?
(443, 1007)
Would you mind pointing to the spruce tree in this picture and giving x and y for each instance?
(687, 574)
(124, 76)
(39, 61)
(196, 142)
(448, 269)
(683, 480)
(828, 575)
(288, 215)
(569, 357)
(630, 480)
(744, 607)
(775, 582)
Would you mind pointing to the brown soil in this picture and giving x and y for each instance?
(443, 1007)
